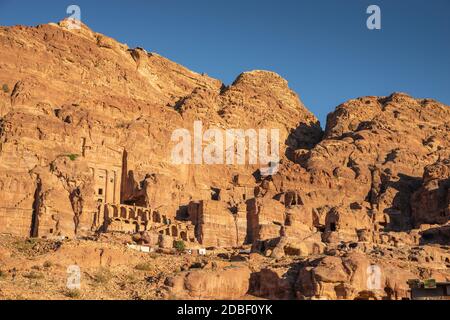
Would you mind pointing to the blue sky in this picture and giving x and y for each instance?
(322, 47)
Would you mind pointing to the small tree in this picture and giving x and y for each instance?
(180, 245)
(5, 88)
(72, 157)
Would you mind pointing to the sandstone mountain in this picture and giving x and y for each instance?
(85, 148)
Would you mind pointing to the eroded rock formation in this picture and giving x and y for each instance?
(85, 147)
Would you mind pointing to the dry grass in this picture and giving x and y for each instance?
(145, 266)
(102, 276)
(34, 275)
(72, 293)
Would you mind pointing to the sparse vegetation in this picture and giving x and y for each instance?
(48, 264)
(34, 275)
(145, 266)
(32, 247)
(180, 245)
(102, 276)
(2, 274)
(5, 88)
(153, 255)
(72, 157)
(129, 279)
(27, 245)
(72, 293)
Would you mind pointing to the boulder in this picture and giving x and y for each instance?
(229, 283)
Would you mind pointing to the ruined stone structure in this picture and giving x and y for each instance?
(132, 219)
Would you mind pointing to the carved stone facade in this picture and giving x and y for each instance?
(107, 184)
(133, 219)
(16, 204)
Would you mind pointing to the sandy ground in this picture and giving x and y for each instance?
(40, 269)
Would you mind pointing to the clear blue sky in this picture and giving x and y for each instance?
(322, 47)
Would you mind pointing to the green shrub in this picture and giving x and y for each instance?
(72, 157)
(5, 88)
(48, 264)
(180, 245)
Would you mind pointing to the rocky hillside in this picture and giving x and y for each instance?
(86, 129)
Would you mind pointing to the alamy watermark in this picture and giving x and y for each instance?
(373, 274)
(74, 20)
(228, 147)
(73, 278)
(374, 20)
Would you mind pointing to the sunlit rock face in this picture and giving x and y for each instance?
(86, 140)
(86, 119)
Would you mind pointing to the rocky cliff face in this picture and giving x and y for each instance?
(85, 120)
(79, 107)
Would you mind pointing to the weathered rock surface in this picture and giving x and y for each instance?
(230, 283)
(86, 129)
(431, 203)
